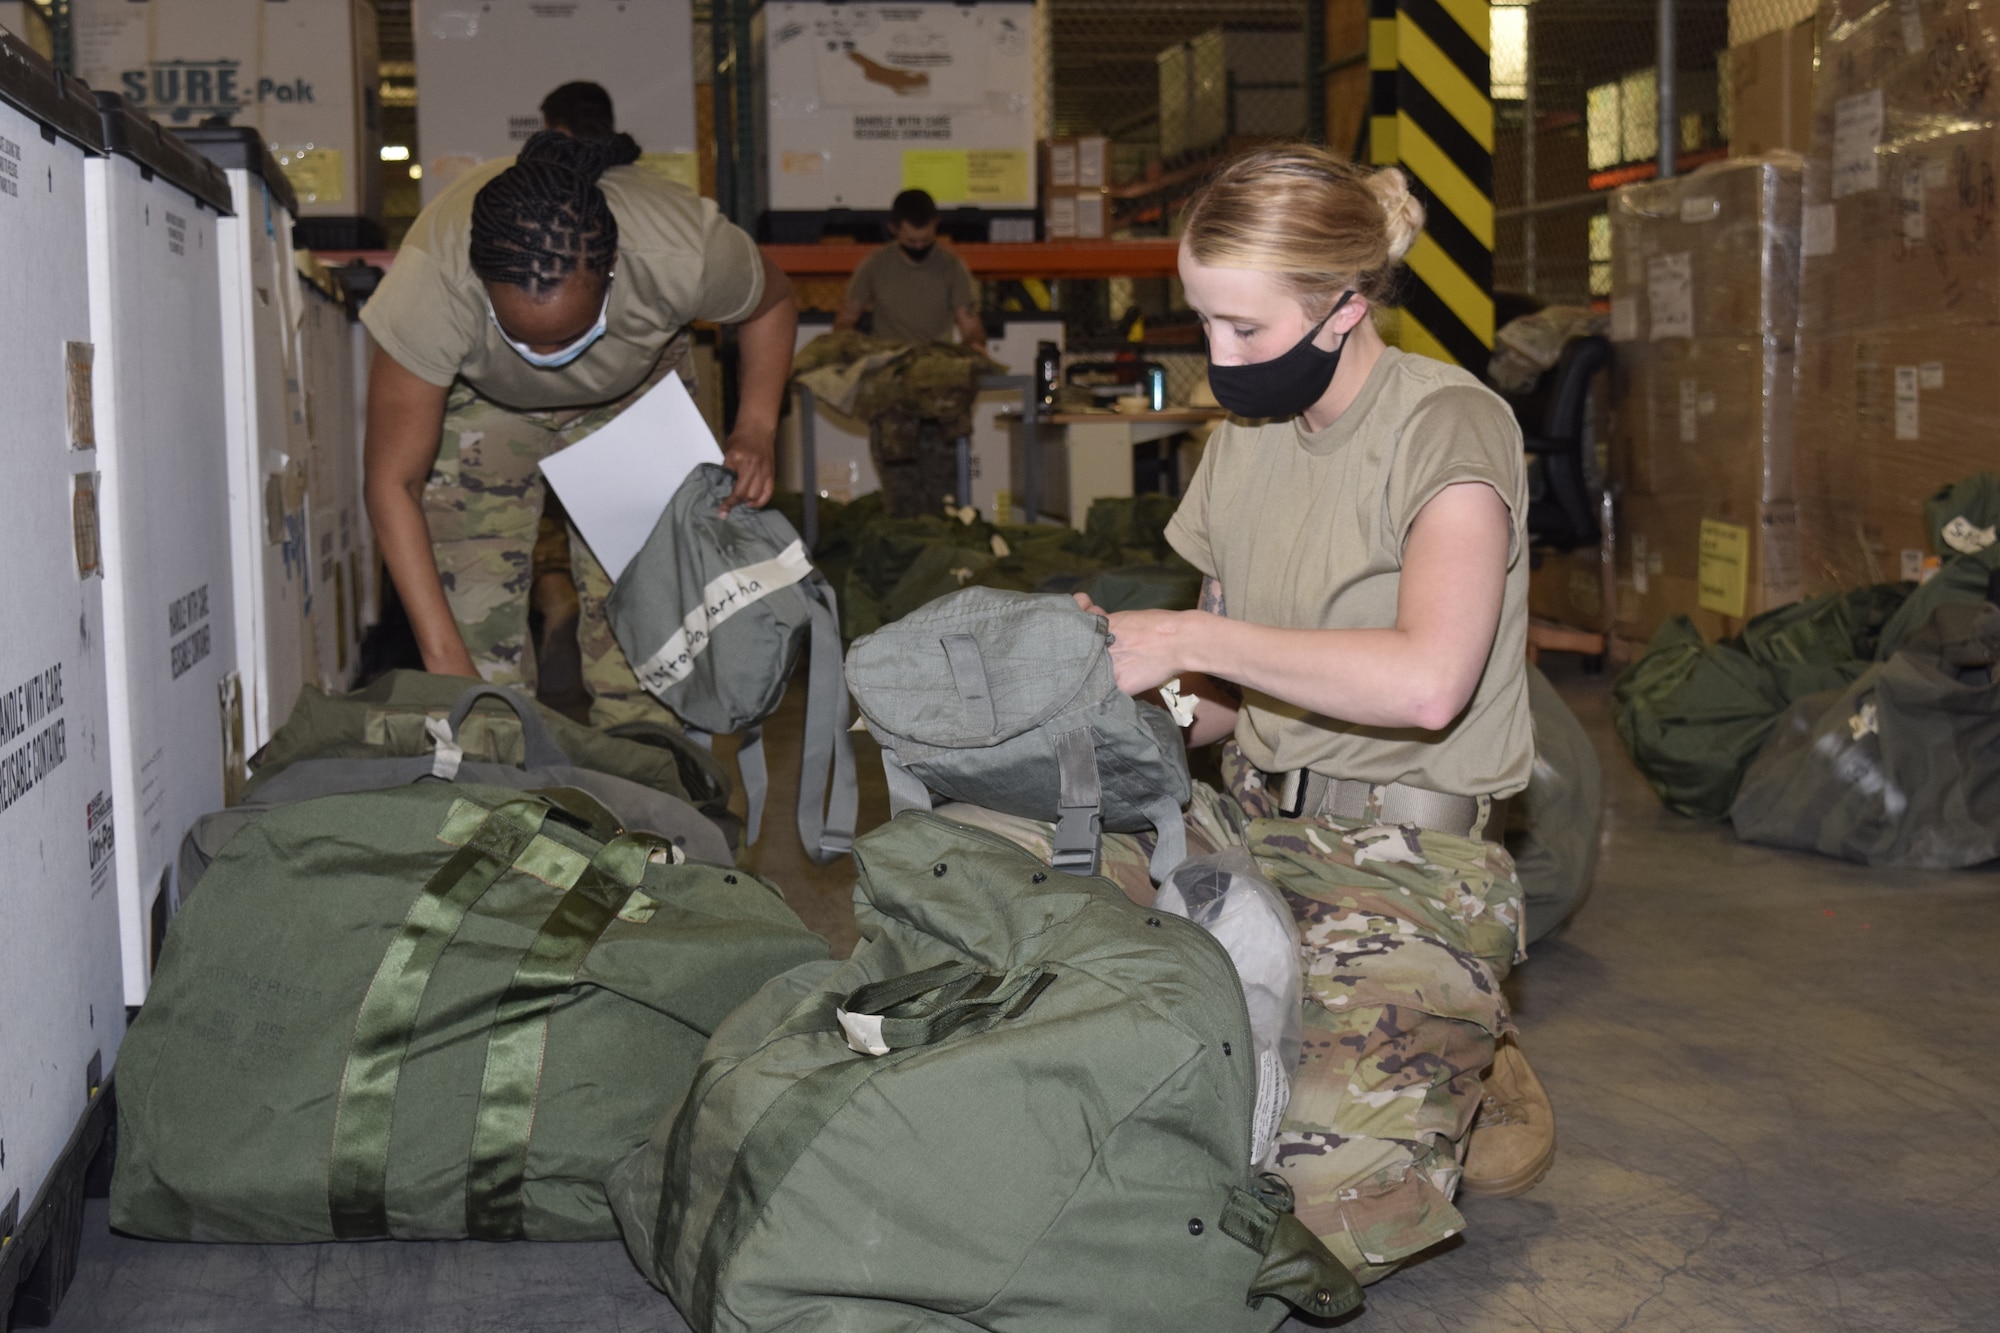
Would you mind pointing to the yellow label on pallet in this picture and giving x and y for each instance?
(941, 173)
(1724, 576)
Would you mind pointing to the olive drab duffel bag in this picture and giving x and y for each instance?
(397, 717)
(1902, 767)
(1007, 700)
(630, 805)
(713, 613)
(429, 1012)
(1024, 1105)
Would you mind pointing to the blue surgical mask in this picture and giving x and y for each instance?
(557, 359)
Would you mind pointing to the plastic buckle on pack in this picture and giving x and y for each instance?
(1078, 830)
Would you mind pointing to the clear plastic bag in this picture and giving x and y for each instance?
(1225, 895)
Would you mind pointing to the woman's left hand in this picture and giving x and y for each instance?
(1147, 646)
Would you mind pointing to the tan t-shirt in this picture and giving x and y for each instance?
(913, 303)
(678, 260)
(1305, 530)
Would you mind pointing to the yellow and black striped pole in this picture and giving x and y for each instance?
(1431, 113)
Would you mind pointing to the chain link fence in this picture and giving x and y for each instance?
(1584, 75)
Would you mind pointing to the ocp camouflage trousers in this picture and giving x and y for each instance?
(916, 459)
(483, 502)
(1405, 935)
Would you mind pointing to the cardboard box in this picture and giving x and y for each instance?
(1704, 416)
(1771, 92)
(1070, 163)
(1886, 419)
(483, 79)
(1717, 562)
(1081, 215)
(1711, 254)
(1898, 226)
(1569, 587)
(303, 75)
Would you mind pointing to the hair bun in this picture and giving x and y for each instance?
(1402, 212)
(588, 157)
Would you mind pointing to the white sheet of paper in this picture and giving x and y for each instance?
(616, 482)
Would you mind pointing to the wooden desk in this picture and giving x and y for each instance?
(1088, 457)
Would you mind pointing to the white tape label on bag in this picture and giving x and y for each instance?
(863, 1032)
(725, 595)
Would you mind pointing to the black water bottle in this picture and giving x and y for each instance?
(1048, 373)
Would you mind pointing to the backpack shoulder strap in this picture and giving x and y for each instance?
(826, 813)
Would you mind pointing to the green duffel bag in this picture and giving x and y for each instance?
(396, 717)
(1024, 1105)
(436, 1011)
(1552, 826)
(1900, 769)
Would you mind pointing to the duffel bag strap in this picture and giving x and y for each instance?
(358, 1168)
(1297, 1267)
(495, 1206)
(538, 747)
(826, 813)
(790, 1125)
(928, 1006)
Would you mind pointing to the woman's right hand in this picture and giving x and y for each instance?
(451, 660)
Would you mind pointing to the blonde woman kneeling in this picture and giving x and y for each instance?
(1361, 644)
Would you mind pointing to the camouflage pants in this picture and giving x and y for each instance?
(916, 459)
(483, 502)
(1405, 935)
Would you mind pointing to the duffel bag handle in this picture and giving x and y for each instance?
(1297, 1267)
(928, 1006)
(538, 747)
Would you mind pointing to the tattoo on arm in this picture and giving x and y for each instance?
(1211, 597)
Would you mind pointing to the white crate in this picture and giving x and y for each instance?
(263, 398)
(304, 75)
(61, 997)
(333, 486)
(860, 102)
(169, 635)
(367, 562)
(484, 70)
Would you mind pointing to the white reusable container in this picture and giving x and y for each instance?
(154, 206)
(62, 1004)
(303, 75)
(858, 102)
(274, 582)
(485, 68)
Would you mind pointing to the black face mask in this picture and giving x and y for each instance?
(1284, 386)
(919, 253)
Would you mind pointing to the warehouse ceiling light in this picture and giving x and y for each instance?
(395, 152)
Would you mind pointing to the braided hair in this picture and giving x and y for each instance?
(541, 219)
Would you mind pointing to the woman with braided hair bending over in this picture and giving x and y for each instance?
(532, 301)
(1360, 650)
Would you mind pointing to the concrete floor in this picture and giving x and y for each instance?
(1775, 1078)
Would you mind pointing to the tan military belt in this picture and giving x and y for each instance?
(1303, 794)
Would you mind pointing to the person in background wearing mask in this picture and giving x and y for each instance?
(1360, 649)
(919, 294)
(532, 301)
(581, 110)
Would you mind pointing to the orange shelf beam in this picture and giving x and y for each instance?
(1040, 259)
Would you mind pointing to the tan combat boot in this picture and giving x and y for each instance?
(1513, 1142)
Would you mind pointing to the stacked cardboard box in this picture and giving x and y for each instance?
(1076, 200)
(1770, 92)
(1900, 302)
(1704, 309)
